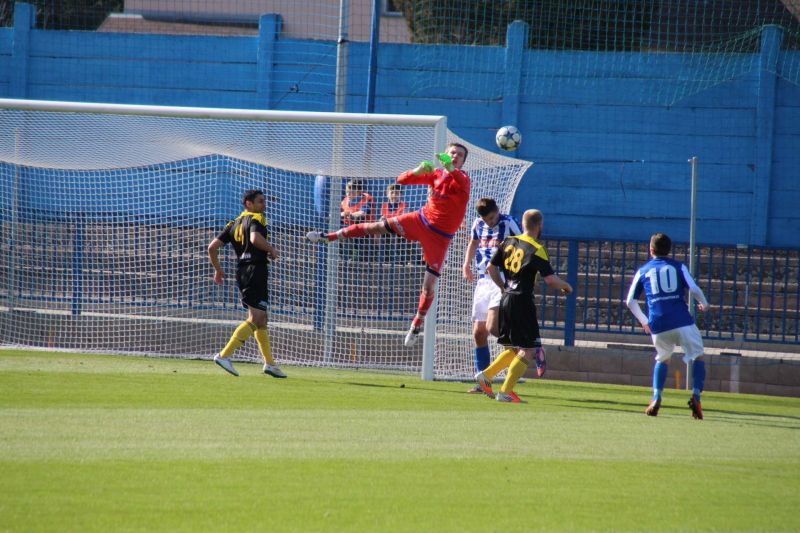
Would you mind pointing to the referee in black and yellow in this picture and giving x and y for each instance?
(518, 260)
(248, 235)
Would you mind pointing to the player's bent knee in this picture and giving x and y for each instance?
(663, 357)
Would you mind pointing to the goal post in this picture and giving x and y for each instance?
(110, 209)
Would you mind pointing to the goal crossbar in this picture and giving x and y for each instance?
(258, 115)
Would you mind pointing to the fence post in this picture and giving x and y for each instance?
(269, 27)
(572, 279)
(24, 20)
(516, 41)
(771, 37)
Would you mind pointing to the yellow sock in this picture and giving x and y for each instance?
(515, 371)
(239, 337)
(262, 337)
(501, 363)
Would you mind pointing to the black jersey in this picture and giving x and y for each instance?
(520, 258)
(238, 232)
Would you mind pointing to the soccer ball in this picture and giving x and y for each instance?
(508, 138)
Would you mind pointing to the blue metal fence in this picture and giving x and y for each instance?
(754, 292)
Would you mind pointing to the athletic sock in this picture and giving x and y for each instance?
(698, 378)
(659, 379)
(239, 337)
(353, 231)
(262, 338)
(502, 362)
(425, 303)
(515, 370)
(482, 356)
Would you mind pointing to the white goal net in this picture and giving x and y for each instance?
(107, 210)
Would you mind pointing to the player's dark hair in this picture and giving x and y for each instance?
(250, 195)
(393, 187)
(661, 244)
(486, 206)
(459, 145)
(356, 185)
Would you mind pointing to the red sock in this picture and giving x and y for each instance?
(351, 232)
(425, 303)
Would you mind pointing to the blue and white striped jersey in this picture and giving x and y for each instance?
(489, 238)
(665, 282)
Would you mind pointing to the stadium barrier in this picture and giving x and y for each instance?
(753, 291)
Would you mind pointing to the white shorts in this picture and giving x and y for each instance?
(687, 337)
(486, 293)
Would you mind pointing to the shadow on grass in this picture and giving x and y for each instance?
(753, 419)
(409, 387)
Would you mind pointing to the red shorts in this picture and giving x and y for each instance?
(434, 246)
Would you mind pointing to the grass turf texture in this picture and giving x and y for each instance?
(108, 443)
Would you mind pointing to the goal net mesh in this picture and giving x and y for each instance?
(106, 219)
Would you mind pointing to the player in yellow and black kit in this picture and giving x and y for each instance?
(248, 235)
(519, 258)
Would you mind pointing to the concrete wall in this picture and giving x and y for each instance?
(610, 133)
(625, 365)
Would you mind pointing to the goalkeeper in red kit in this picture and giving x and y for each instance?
(433, 226)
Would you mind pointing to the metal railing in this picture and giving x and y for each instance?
(754, 292)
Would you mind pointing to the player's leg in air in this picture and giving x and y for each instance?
(426, 296)
(410, 227)
(350, 232)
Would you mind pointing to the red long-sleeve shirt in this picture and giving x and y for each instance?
(447, 203)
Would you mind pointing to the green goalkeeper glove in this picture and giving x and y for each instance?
(424, 167)
(446, 160)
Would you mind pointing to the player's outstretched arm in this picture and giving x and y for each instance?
(456, 173)
(422, 174)
(425, 167)
(446, 161)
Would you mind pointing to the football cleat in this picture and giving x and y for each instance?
(412, 336)
(274, 371)
(696, 407)
(509, 397)
(652, 409)
(484, 384)
(541, 361)
(316, 236)
(475, 390)
(226, 364)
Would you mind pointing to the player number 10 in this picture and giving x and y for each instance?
(664, 279)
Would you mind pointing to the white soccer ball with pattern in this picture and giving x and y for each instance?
(508, 138)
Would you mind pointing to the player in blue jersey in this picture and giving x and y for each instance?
(665, 282)
(489, 229)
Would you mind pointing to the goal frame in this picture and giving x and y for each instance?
(437, 122)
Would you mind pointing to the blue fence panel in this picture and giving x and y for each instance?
(754, 292)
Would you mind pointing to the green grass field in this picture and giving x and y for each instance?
(103, 443)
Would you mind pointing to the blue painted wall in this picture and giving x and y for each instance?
(609, 141)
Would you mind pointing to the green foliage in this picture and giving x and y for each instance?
(65, 14)
(100, 443)
(594, 25)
